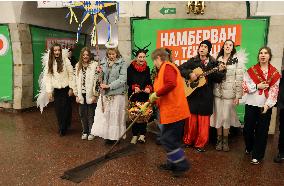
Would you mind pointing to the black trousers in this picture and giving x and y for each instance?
(87, 113)
(63, 108)
(256, 130)
(281, 135)
(139, 128)
(172, 139)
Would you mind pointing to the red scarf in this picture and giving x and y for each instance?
(257, 76)
(139, 68)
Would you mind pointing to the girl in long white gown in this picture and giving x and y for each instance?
(109, 121)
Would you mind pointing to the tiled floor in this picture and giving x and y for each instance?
(32, 153)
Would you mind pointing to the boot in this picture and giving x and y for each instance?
(219, 143)
(134, 140)
(225, 144)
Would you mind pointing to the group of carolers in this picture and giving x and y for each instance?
(184, 120)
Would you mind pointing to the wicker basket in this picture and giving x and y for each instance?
(135, 107)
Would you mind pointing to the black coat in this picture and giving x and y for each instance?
(143, 79)
(280, 102)
(201, 100)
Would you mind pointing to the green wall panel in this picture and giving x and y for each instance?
(6, 65)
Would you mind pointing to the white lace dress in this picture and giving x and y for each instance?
(110, 124)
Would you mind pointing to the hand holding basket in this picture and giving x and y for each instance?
(134, 108)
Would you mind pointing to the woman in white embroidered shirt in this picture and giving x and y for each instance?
(85, 90)
(59, 86)
(260, 85)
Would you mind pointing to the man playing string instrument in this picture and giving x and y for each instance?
(201, 100)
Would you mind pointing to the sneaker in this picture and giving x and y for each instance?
(279, 158)
(200, 149)
(254, 162)
(141, 139)
(84, 136)
(134, 140)
(91, 137)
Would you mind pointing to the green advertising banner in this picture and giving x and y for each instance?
(6, 65)
(43, 38)
(183, 36)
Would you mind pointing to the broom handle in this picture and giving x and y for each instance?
(128, 128)
(100, 90)
(101, 73)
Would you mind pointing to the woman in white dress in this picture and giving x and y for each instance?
(109, 120)
(227, 94)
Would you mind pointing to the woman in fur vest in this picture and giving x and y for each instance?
(85, 90)
(227, 94)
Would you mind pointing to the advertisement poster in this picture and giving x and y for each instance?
(183, 36)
